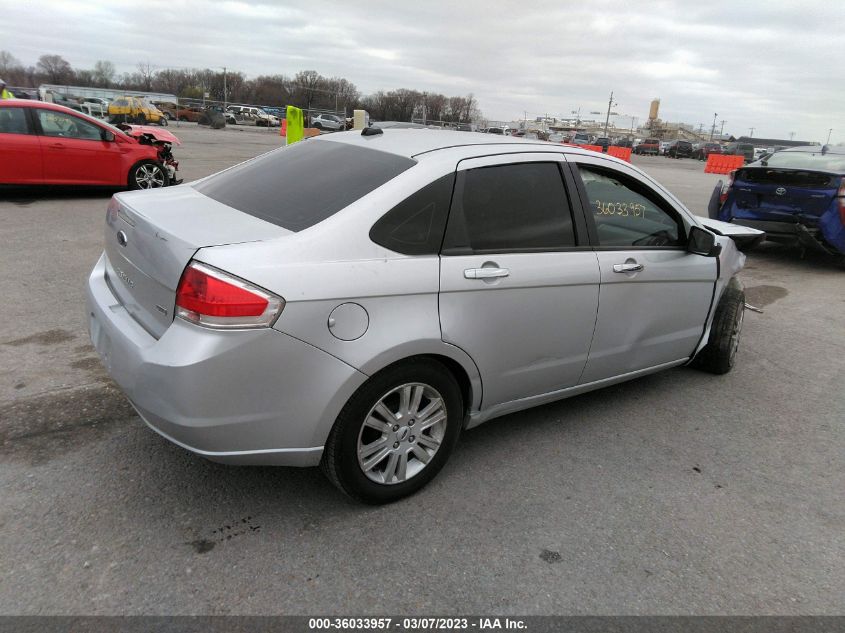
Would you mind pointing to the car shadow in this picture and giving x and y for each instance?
(24, 196)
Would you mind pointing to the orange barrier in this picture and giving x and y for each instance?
(595, 148)
(283, 128)
(623, 153)
(723, 163)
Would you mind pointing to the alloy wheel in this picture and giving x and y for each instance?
(149, 176)
(735, 333)
(401, 433)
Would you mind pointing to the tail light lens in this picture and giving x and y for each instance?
(211, 298)
(726, 188)
(841, 195)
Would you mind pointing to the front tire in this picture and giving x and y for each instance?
(395, 433)
(719, 355)
(148, 175)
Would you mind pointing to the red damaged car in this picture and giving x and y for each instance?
(47, 144)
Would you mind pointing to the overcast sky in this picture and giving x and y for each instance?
(772, 65)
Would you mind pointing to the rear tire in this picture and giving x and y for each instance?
(379, 420)
(719, 355)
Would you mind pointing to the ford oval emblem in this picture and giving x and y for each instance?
(781, 191)
(121, 238)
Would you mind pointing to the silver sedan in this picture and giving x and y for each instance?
(264, 316)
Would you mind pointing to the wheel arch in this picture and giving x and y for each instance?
(455, 359)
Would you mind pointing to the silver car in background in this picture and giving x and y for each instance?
(328, 122)
(264, 316)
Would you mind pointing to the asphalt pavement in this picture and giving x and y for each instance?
(678, 493)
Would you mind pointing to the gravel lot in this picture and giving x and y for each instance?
(679, 493)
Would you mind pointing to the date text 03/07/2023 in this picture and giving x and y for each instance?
(416, 624)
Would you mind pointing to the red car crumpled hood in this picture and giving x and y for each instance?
(156, 132)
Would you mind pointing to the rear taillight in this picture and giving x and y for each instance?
(841, 196)
(726, 188)
(209, 297)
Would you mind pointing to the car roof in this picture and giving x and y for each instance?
(32, 103)
(411, 143)
(816, 149)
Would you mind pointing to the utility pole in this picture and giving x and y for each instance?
(610, 104)
(828, 136)
(791, 135)
(722, 129)
(713, 129)
(225, 89)
(525, 120)
(751, 130)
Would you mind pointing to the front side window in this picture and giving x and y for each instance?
(13, 121)
(66, 125)
(626, 214)
(517, 207)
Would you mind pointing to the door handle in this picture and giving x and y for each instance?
(627, 268)
(486, 273)
(56, 145)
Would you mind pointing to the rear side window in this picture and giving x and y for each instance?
(13, 121)
(299, 186)
(415, 225)
(518, 207)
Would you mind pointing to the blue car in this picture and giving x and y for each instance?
(796, 195)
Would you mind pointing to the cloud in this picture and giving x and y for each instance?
(771, 66)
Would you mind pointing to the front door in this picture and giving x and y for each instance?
(655, 296)
(518, 284)
(74, 151)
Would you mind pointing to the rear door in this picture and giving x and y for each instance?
(74, 151)
(655, 296)
(518, 283)
(20, 151)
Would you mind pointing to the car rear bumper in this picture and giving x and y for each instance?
(244, 397)
(792, 233)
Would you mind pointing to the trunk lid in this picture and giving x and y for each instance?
(150, 236)
(784, 195)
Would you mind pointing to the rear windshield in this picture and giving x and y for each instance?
(794, 178)
(299, 186)
(807, 160)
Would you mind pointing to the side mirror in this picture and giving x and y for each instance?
(106, 135)
(703, 242)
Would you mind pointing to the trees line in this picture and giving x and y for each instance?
(307, 89)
